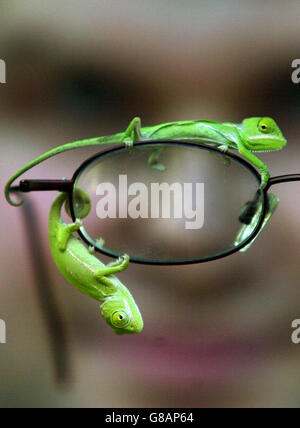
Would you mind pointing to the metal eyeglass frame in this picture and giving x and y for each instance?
(67, 186)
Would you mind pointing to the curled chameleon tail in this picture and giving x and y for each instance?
(87, 273)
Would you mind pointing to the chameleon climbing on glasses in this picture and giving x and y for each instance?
(90, 276)
(77, 263)
(256, 134)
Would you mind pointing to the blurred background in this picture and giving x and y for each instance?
(216, 334)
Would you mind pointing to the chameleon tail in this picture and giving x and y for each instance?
(82, 210)
(116, 138)
(55, 211)
(83, 204)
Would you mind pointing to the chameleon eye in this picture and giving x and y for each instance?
(266, 125)
(119, 319)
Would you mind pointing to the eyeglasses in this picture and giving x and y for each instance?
(167, 203)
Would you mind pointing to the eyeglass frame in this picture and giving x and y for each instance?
(67, 186)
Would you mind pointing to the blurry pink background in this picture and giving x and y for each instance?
(216, 334)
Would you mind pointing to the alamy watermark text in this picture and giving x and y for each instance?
(2, 71)
(296, 332)
(160, 200)
(296, 73)
(2, 331)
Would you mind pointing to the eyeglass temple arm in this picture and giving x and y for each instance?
(272, 202)
(25, 186)
(282, 179)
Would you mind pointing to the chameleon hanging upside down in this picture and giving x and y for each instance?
(256, 134)
(85, 272)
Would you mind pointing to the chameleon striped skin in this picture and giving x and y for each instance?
(256, 134)
(85, 272)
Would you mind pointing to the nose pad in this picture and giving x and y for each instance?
(248, 212)
(250, 209)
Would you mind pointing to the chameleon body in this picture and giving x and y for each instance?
(85, 272)
(256, 134)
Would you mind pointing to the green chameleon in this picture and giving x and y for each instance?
(85, 272)
(256, 134)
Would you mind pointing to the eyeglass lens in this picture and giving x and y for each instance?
(168, 202)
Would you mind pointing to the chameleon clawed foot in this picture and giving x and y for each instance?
(159, 167)
(129, 144)
(227, 160)
(100, 242)
(132, 133)
(117, 266)
(91, 249)
(122, 262)
(77, 224)
(223, 148)
(153, 160)
(66, 231)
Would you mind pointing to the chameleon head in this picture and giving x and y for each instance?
(262, 134)
(122, 314)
